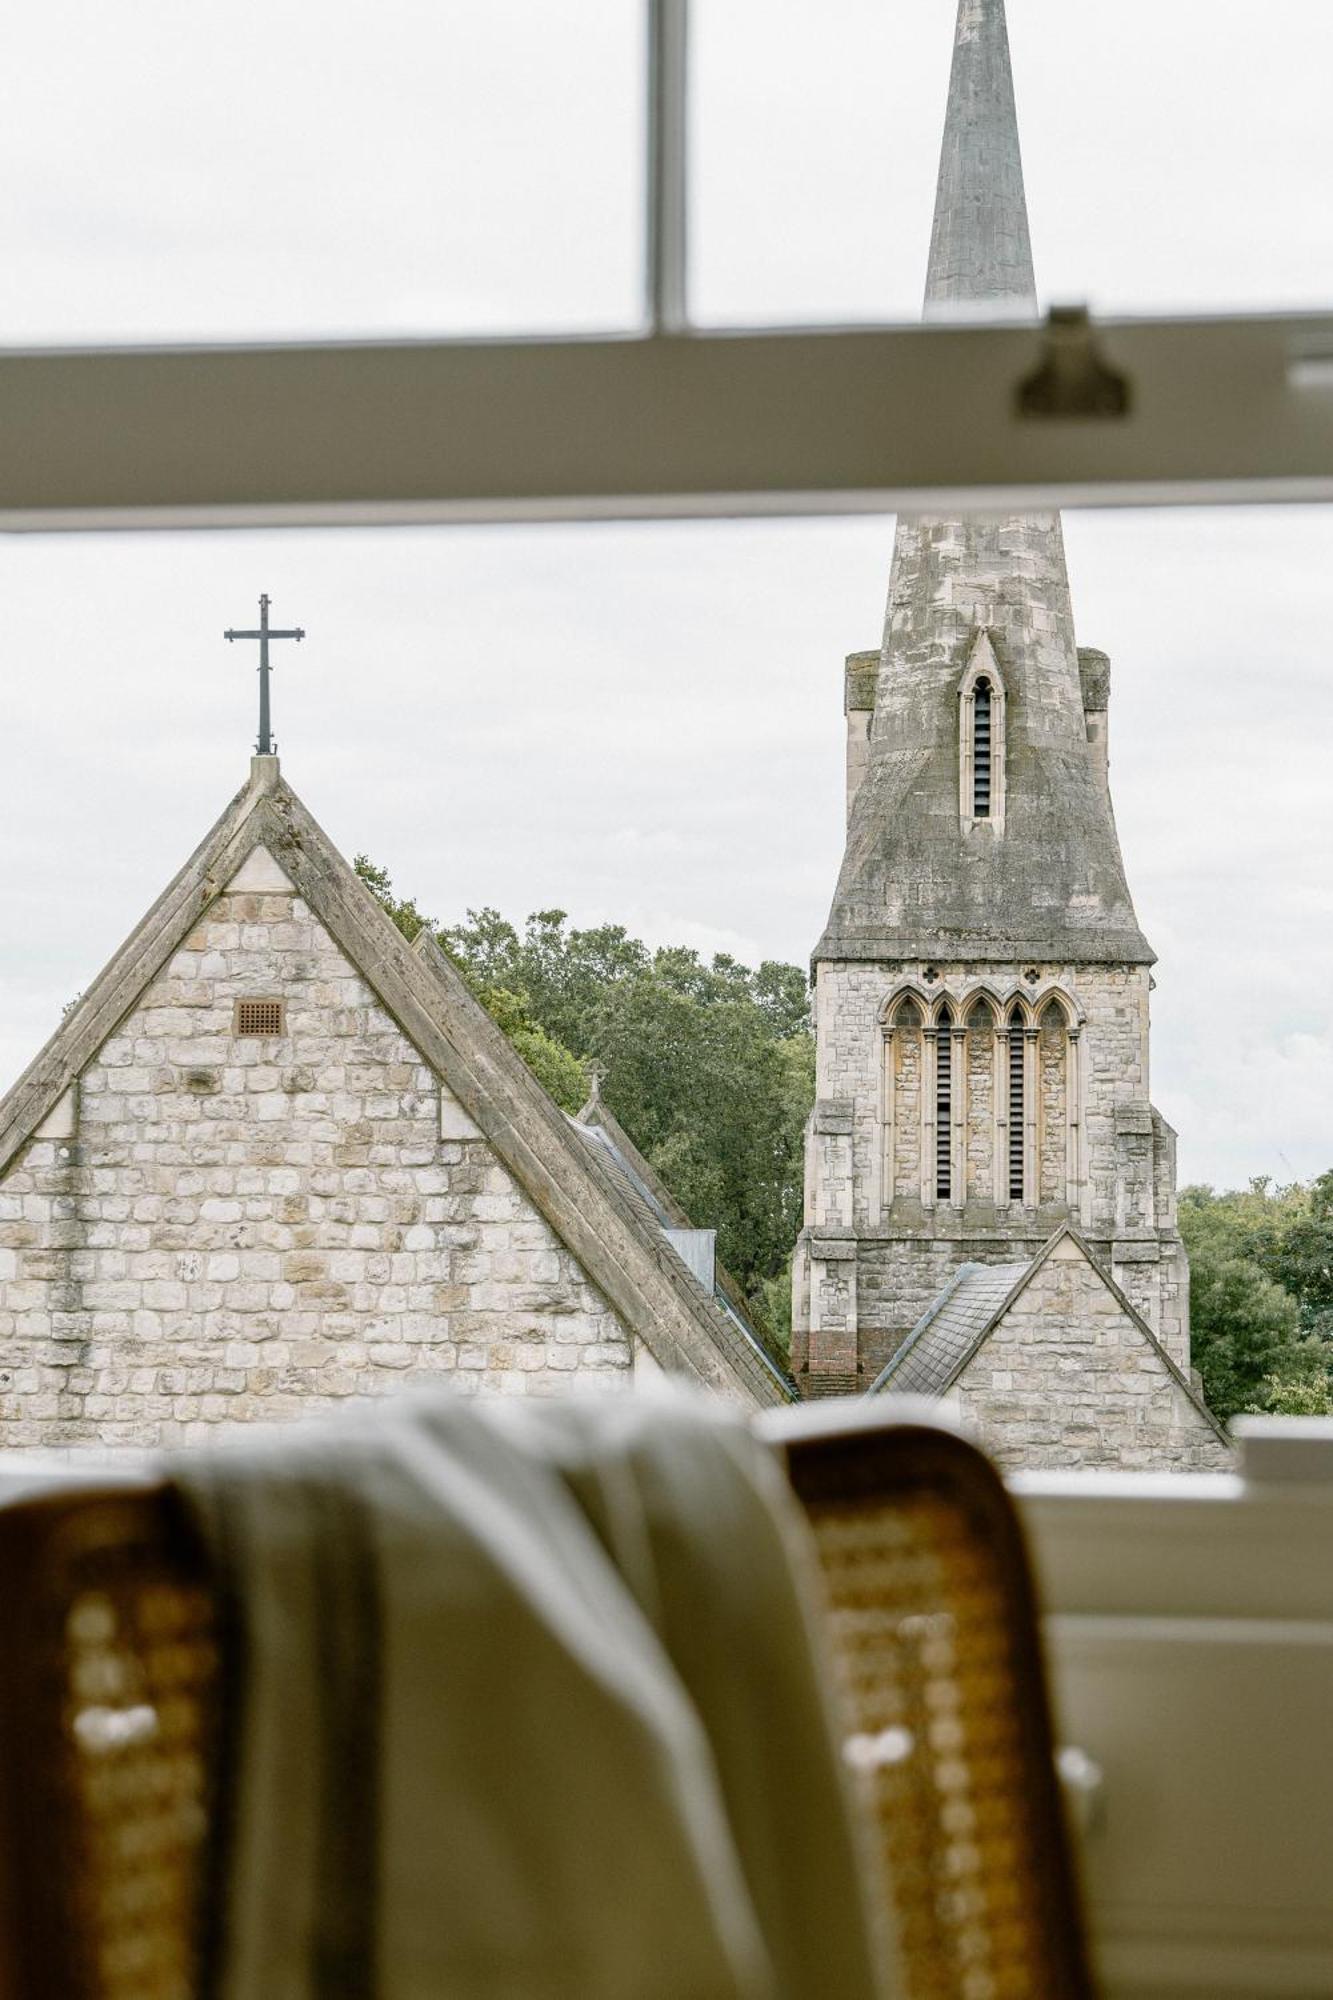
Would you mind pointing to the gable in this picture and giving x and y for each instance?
(1069, 1371)
(483, 1087)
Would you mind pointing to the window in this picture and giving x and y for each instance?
(1017, 1105)
(981, 747)
(944, 1105)
(981, 738)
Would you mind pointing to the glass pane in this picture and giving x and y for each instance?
(231, 169)
(644, 725)
(1176, 157)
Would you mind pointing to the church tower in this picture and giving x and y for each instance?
(981, 987)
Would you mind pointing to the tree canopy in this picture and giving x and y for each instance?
(709, 1066)
(1261, 1295)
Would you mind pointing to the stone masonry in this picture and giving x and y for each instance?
(240, 1226)
(276, 1158)
(982, 984)
(1066, 1378)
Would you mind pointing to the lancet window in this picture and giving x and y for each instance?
(981, 704)
(944, 1089)
(981, 750)
(979, 1108)
(1017, 1127)
(980, 1100)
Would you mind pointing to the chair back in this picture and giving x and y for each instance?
(934, 1625)
(112, 1727)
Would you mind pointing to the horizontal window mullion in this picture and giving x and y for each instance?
(850, 421)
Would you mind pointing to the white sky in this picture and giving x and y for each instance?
(644, 723)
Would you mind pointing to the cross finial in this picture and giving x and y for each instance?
(265, 746)
(596, 1075)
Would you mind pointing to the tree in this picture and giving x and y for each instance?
(1259, 1303)
(406, 915)
(1301, 1257)
(708, 1066)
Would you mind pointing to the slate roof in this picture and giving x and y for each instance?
(950, 1330)
(659, 1210)
(954, 1328)
(636, 1271)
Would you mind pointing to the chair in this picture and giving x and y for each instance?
(934, 1627)
(111, 1730)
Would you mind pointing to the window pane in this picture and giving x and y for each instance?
(1176, 157)
(644, 725)
(231, 169)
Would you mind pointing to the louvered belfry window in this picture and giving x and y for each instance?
(944, 1106)
(1017, 1109)
(981, 750)
(259, 1017)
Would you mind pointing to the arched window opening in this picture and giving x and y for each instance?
(944, 1106)
(981, 750)
(1053, 1086)
(981, 706)
(979, 1106)
(1017, 1106)
(904, 1109)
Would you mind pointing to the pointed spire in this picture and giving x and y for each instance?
(1049, 883)
(980, 249)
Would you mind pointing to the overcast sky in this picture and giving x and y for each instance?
(644, 723)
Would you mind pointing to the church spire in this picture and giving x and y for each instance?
(1022, 862)
(980, 249)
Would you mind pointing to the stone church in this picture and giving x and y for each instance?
(276, 1157)
(990, 1192)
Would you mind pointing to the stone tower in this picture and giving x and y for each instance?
(981, 987)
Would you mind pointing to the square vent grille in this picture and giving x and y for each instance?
(259, 1017)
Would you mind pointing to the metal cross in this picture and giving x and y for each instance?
(264, 634)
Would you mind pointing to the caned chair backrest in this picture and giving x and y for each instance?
(934, 1625)
(111, 1726)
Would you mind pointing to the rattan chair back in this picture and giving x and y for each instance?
(111, 1728)
(934, 1627)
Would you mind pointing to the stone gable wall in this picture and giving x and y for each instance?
(237, 1228)
(1067, 1379)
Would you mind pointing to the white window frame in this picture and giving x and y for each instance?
(663, 422)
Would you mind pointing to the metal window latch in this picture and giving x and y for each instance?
(1073, 377)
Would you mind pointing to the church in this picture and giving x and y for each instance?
(276, 1157)
(990, 1193)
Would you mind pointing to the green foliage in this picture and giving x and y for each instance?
(559, 1072)
(776, 1294)
(1311, 1396)
(1261, 1294)
(405, 914)
(709, 1066)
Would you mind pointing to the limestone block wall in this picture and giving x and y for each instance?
(223, 1227)
(1094, 1136)
(1067, 1379)
(1119, 1190)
